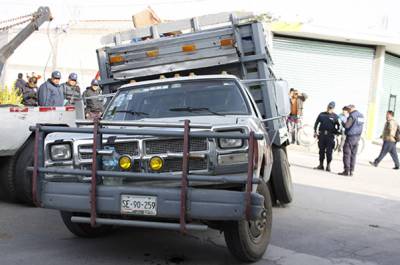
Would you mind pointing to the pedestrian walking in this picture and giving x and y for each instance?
(50, 93)
(390, 137)
(353, 129)
(296, 112)
(20, 83)
(93, 101)
(71, 90)
(30, 93)
(325, 128)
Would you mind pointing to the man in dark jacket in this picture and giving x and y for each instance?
(30, 93)
(71, 90)
(326, 127)
(20, 83)
(353, 129)
(389, 141)
(94, 103)
(50, 92)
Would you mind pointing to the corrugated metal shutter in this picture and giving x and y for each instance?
(391, 86)
(325, 71)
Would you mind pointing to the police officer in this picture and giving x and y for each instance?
(94, 103)
(325, 127)
(50, 93)
(353, 130)
(71, 90)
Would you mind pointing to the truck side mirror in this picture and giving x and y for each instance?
(281, 88)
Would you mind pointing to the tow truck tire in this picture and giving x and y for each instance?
(7, 183)
(23, 177)
(245, 240)
(84, 230)
(281, 178)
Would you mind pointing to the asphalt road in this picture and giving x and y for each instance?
(333, 220)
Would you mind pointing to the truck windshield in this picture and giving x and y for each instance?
(176, 99)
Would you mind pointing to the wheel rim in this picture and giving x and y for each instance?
(257, 228)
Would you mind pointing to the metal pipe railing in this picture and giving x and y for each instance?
(97, 131)
(139, 176)
(123, 131)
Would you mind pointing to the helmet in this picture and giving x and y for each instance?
(73, 76)
(56, 75)
(95, 82)
(331, 105)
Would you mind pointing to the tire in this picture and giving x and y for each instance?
(7, 182)
(84, 230)
(23, 178)
(244, 240)
(281, 177)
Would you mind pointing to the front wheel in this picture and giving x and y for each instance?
(248, 240)
(84, 230)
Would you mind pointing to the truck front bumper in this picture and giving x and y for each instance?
(202, 204)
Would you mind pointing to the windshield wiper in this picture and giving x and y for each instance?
(133, 112)
(190, 109)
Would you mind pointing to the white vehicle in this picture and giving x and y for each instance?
(16, 141)
(16, 145)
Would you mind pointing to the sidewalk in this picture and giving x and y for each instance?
(380, 181)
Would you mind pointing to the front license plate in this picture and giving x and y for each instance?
(138, 205)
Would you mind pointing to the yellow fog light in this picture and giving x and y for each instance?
(125, 162)
(156, 163)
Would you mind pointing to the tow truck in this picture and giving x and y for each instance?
(16, 141)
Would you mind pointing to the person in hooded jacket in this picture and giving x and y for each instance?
(30, 92)
(50, 92)
(20, 83)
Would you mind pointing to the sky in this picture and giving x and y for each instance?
(361, 15)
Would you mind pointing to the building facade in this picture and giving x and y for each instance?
(362, 74)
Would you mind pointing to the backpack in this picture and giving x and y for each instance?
(397, 135)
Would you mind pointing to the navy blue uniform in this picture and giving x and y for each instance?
(327, 125)
(353, 130)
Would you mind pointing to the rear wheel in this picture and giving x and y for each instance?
(84, 230)
(23, 177)
(7, 183)
(281, 177)
(248, 240)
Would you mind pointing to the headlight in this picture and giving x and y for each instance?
(59, 152)
(230, 143)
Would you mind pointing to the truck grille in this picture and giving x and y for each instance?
(164, 146)
(175, 164)
(130, 148)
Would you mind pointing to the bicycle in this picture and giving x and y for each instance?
(305, 135)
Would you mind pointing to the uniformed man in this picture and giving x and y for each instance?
(353, 129)
(93, 101)
(50, 93)
(325, 128)
(72, 91)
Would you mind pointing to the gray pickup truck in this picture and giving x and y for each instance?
(186, 153)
